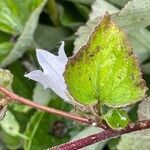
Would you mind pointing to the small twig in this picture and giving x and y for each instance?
(102, 136)
(13, 97)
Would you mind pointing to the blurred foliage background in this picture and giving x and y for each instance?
(29, 24)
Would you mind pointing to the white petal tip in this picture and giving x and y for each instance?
(62, 43)
(39, 51)
(61, 53)
(26, 75)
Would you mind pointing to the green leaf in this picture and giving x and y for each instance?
(11, 142)
(105, 70)
(9, 18)
(118, 3)
(136, 35)
(26, 38)
(2, 146)
(6, 45)
(144, 109)
(43, 36)
(69, 17)
(10, 125)
(4, 37)
(116, 118)
(146, 69)
(5, 49)
(41, 125)
(113, 143)
(83, 10)
(138, 140)
(10, 131)
(99, 7)
(41, 95)
(87, 2)
(14, 14)
(20, 108)
(20, 82)
(87, 132)
(141, 46)
(134, 14)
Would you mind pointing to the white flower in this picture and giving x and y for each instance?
(52, 75)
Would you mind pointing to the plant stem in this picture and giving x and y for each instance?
(108, 133)
(102, 136)
(15, 98)
(53, 13)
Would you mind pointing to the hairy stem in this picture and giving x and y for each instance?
(15, 98)
(102, 136)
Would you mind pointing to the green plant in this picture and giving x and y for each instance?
(101, 84)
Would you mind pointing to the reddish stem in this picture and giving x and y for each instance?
(102, 136)
(14, 97)
(108, 133)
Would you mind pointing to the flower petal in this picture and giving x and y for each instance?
(62, 54)
(52, 82)
(49, 62)
(38, 76)
(52, 76)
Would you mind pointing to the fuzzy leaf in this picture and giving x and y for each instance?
(105, 69)
(10, 125)
(100, 7)
(136, 35)
(43, 33)
(133, 14)
(19, 82)
(118, 3)
(11, 142)
(26, 39)
(87, 2)
(14, 14)
(41, 95)
(11, 131)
